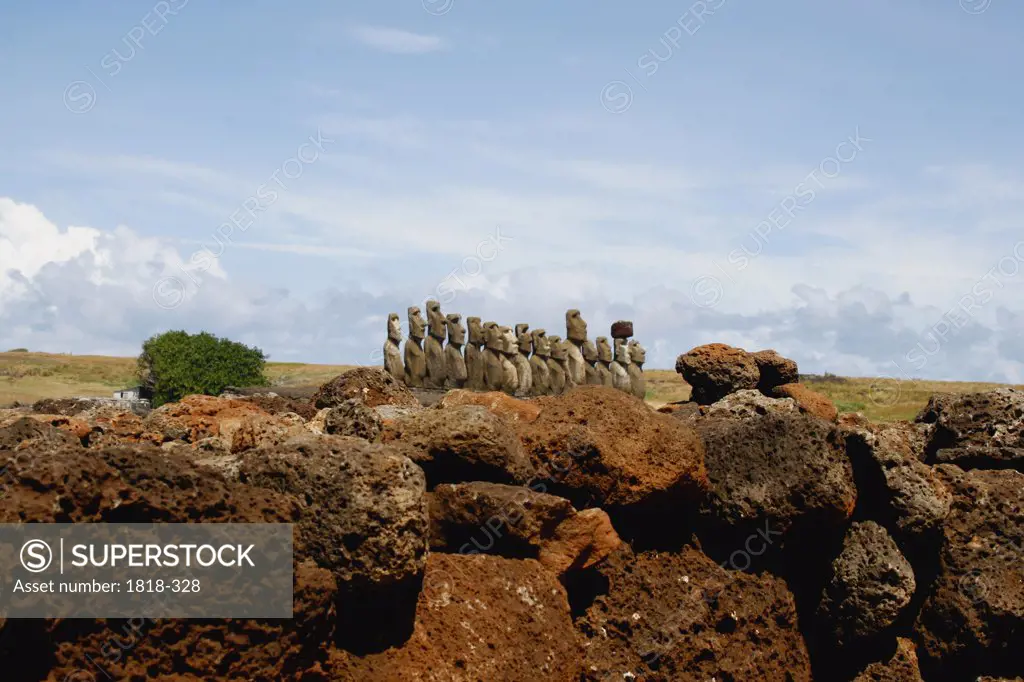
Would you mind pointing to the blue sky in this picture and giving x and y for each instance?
(839, 181)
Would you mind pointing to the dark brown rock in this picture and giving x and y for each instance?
(902, 667)
(973, 621)
(986, 430)
(622, 329)
(366, 519)
(777, 469)
(462, 443)
(774, 370)
(351, 418)
(716, 370)
(872, 584)
(669, 616)
(372, 385)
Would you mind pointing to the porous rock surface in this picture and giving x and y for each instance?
(371, 385)
(679, 616)
(872, 583)
(604, 445)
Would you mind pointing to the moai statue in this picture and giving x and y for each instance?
(392, 348)
(557, 365)
(620, 371)
(539, 371)
(575, 337)
(510, 380)
(604, 362)
(637, 356)
(522, 360)
(494, 371)
(454, 363)
(590, 358)
(433, 347)
(474, 355)
(415, 360)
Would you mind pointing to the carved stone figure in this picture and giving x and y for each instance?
(510, 380)
(433, 347)
(576, 336)
(415, 360)
(474, 355)
(592, 377)
(557, 365)
(392, 348)
(522, 360)
(494, 349)
(454, 363)
(620, 372)
(637, 381)
(539, 363)
(604, 362)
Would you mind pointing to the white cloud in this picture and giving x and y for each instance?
(397, 41)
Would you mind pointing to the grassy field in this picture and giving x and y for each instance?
(27, 377)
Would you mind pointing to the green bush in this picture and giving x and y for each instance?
(18, 350)
(175, 364)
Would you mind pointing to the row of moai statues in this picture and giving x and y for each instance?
(499, 358)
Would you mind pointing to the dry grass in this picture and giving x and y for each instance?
(27, 377)
(878, 399)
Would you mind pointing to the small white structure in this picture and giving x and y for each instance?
(133, 393)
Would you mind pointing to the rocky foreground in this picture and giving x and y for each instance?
(750, 535)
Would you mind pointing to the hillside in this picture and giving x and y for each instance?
(27, 377)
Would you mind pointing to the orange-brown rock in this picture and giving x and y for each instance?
(608, 447)
(715, 370)
(479, 617)
(501, 404)
(808, 400)
(583, 540)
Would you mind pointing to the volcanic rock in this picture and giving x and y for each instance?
(778, 470)
(749, 403)
(973, 621)
(872, 583)
(373, 385)
(715, 370)
(351, 418)
(774, 370)
(808, 400)
(605, 447)
(366, 519)
(902, 667)
(679, 616)
(519, 522)
(986, 429)
(463, 443)
(501, 404)
(479, 617)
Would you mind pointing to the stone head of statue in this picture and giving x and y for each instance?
(417, 325)
(394, 328)
(637, 353)
(622, 352)
(589, 352)
(604, 350)
(557, 348)
(541, 347)
(456, 332)
(435, 320)
(476, 331)
(575, 326)
(493, 338)
(524, 338)
(511, 343)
